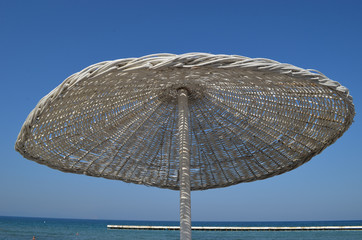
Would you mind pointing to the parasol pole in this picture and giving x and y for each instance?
(184, 155)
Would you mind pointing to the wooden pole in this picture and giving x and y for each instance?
(184, 155)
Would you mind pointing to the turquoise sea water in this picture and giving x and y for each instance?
(51, 229)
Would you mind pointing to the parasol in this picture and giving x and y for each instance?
(186, 122)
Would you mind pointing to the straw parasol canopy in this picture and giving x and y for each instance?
(225, 119)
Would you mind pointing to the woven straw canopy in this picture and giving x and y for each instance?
(249, 119)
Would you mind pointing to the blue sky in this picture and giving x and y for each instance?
(43, 42)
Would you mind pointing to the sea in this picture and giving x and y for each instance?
(25, 228)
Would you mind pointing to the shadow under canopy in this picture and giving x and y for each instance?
(186, 122)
